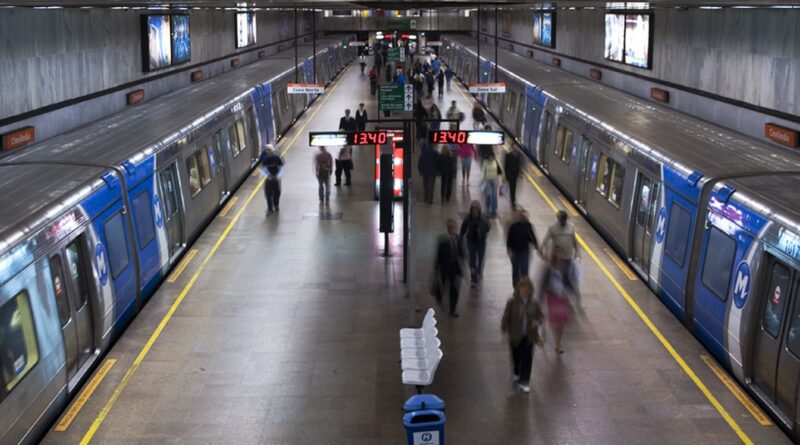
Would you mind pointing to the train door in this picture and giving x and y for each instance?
(544, 139)
(69, 273)
(643, 221)
(220, 145)
(584, 149)
(777, 344)
(171, 200)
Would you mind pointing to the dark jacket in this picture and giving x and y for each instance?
(448, 256)
(447, 166)
(272, 163)
(440, 78)
(474, 229)
(511, 165)
(514, 315)
(520, 236)
(428, 161)
(347, 123)
(361, 119)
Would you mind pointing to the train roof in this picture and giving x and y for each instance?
(32, 194)
(120, 137)
(773, 196)
(666, 134)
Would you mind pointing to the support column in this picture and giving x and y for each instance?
(478, 68)
(296, 72)
(495, 44)
(314, 40)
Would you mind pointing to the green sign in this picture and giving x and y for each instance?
(399, 24)
(394, 97)
(393, 55)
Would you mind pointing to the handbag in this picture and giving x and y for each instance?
(484, 186)
(503, 189)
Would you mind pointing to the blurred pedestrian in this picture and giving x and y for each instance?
(511, 169)
(361, 118)
(562, 236)
(474, 230)
(436, 64)
(466, 152)
(447, 169)
(555, 294)
(272, 167)
(521, 320)
(430, 80)
(440, 81)
(490, 174)
(428, 168)
(347, 122)
(378, 62)
(362, 61)
(344, 163)
(448, 76)
(518, 241)
(447, 267)
(323, 164)
(373, 80)
(454, 115)
(484, 150)
(478, 117)
(436, 117)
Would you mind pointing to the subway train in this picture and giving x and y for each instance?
(708, 218)
(93, 220)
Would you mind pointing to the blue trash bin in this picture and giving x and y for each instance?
(423, 401)
(425, 427)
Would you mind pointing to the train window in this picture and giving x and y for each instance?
(76, 265)
(617, 181)
(720, 253)
(653, 207)
(677, 233)
(777, 294)
(143, 212)
(566, 150)
(251, 123)
(558, 148)
(793, 339)
(604, 175)
(194, 175)
(60, 290)
(19, 351)
(116, 244)
(512, 101)
(240, 136)
(548, 123)
(205, 165)
(644, 201)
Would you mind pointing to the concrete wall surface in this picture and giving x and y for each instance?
(746, 55)
(427, 22)
(51, 56)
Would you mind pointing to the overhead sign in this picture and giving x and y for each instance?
(18, 138)
(469, 137)
(480, 88)
(395, 97)
(327, 138)
(305, 88)
(395, 55)
(781, 135)
(358, 43)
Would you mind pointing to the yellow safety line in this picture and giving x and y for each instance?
(83, 397)
(650, 325)
(173, 277)
(536, 171)
(737, 392)
(571, 210)
(621, 264)
(161, 325)
(229, 206)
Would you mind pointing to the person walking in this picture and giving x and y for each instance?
(323, 163)
(347, 122)
(428, 168)
(418, 82)
(490, 173)
(373, 80)
(474, 230)
(436, 117)
(362, 61)
(466, 152)
(454, 115)
(555, 293)
(440, 81)
(561, 235)
(272, 167)
(344, 163)
(378, 62)
(511, 169)
(447, 267)
(478, 117)
(448, 76)
(361, 118)
(520, 325)
(436, 64)
(518, 241)
(430, 80)
(485, 150)
(447, 169)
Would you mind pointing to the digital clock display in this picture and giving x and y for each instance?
(469, 137)
(367, 138)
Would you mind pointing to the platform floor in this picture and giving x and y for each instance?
(284, 330)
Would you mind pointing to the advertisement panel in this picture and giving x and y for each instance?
(544, 28)
(245, 29)
(181, 39)
(159, 42)
(637, 40)
(615, 37)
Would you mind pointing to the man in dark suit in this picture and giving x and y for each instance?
(347, 122)
(361, 118)
(448, 264)
(343, 161)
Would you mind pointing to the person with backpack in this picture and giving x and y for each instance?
(478, 117)
(520, 326)
(323, 164)
(474, 230)
(272, 167)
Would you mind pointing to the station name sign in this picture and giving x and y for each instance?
(18, 138)
(480, 88)
(781, 135)
(305, 88)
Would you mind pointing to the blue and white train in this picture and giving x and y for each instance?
(708, 218)
(93, 220)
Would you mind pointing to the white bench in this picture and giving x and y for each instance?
(420, 352)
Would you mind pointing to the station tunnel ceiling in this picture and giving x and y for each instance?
(399, 4)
